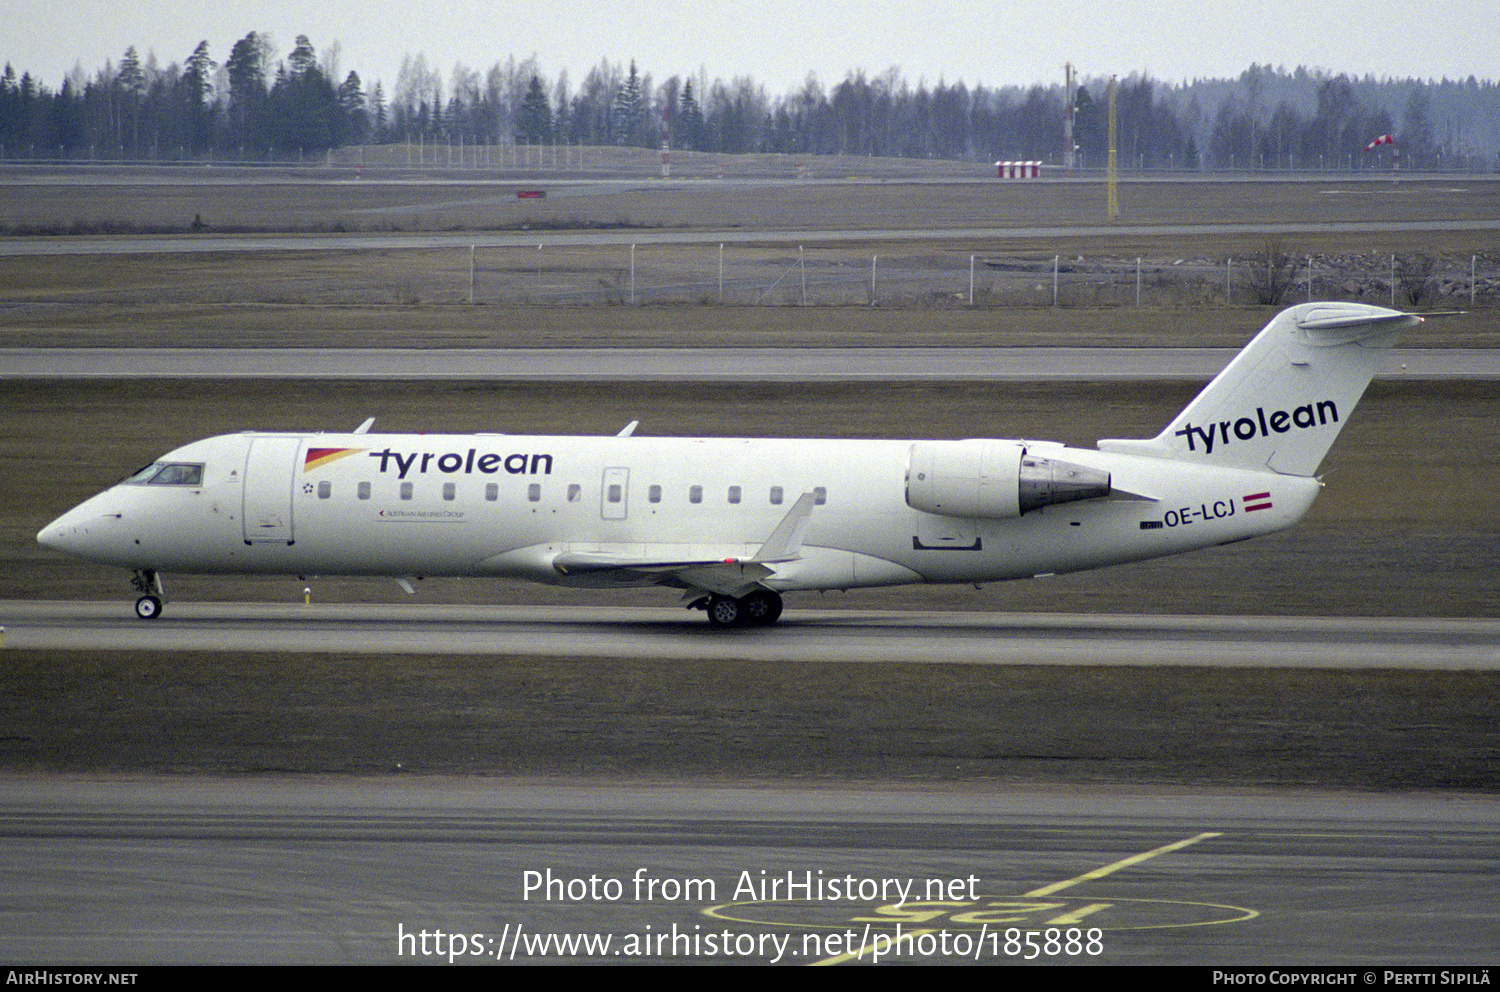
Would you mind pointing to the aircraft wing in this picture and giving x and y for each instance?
(730, 574)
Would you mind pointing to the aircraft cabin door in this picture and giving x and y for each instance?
(270, 469)
(614, 500)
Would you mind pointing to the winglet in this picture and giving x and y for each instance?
(786, 540)
(365, 427)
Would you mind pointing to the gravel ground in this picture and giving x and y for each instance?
(227, 713)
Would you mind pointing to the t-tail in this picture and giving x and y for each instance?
(1280, 404)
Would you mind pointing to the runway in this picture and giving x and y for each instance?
(688, 364)
(113, 873)
(803, 635)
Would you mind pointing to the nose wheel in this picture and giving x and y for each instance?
(148, 583)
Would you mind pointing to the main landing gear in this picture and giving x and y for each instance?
(148, 583)
(759, 608)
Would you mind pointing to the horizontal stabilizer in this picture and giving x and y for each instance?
(1327, 317)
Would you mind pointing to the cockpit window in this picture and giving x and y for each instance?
(168, 474)
(177, 474)
(143, 474)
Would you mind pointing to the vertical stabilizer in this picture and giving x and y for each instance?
(1281, 402)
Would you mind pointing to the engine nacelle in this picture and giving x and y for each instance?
(994, 480)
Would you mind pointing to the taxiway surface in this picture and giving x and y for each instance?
(483, 871)
(688, 364)
(666, 633)
(806, 236)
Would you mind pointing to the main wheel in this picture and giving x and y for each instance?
(761, 608)
(148, 607)
(725, 611)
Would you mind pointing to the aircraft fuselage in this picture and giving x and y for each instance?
(736, 522)
(489, 505)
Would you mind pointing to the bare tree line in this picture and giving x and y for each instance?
(255, 106)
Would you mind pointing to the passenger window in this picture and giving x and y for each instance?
(325, 489)
(695, 494)
(734, 494)
(533, 492)
(821, 494)
(449, 491)
(492, 491)
(406, 490)
(654, 494)
(575, 492)
(364, 490)
(775, 495)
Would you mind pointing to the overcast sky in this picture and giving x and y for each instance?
(778, 42)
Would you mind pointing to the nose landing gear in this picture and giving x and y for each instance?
(148, 583)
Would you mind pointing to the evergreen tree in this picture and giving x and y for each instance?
(535, 123)
(1416, 128)
(379, 122)
(562, 121)
(130, 84)
(356, 122)
(689, 130)
(247, 90)
(131, 78)
(304, 58)
(629, 109)
(198, 86)
(305, 111)
(1090, 133)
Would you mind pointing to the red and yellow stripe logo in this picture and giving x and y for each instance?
(318, 457)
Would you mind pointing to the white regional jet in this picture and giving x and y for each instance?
(735, 523)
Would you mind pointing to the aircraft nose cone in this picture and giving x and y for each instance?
(81, 531)
(63, 534)
(49, 535)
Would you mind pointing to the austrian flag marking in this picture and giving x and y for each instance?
(1256, 501)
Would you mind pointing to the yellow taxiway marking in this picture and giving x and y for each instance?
(1047, 890)
(1110, 869)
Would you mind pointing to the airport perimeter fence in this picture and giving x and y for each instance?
(902, 276)
(744, 275)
